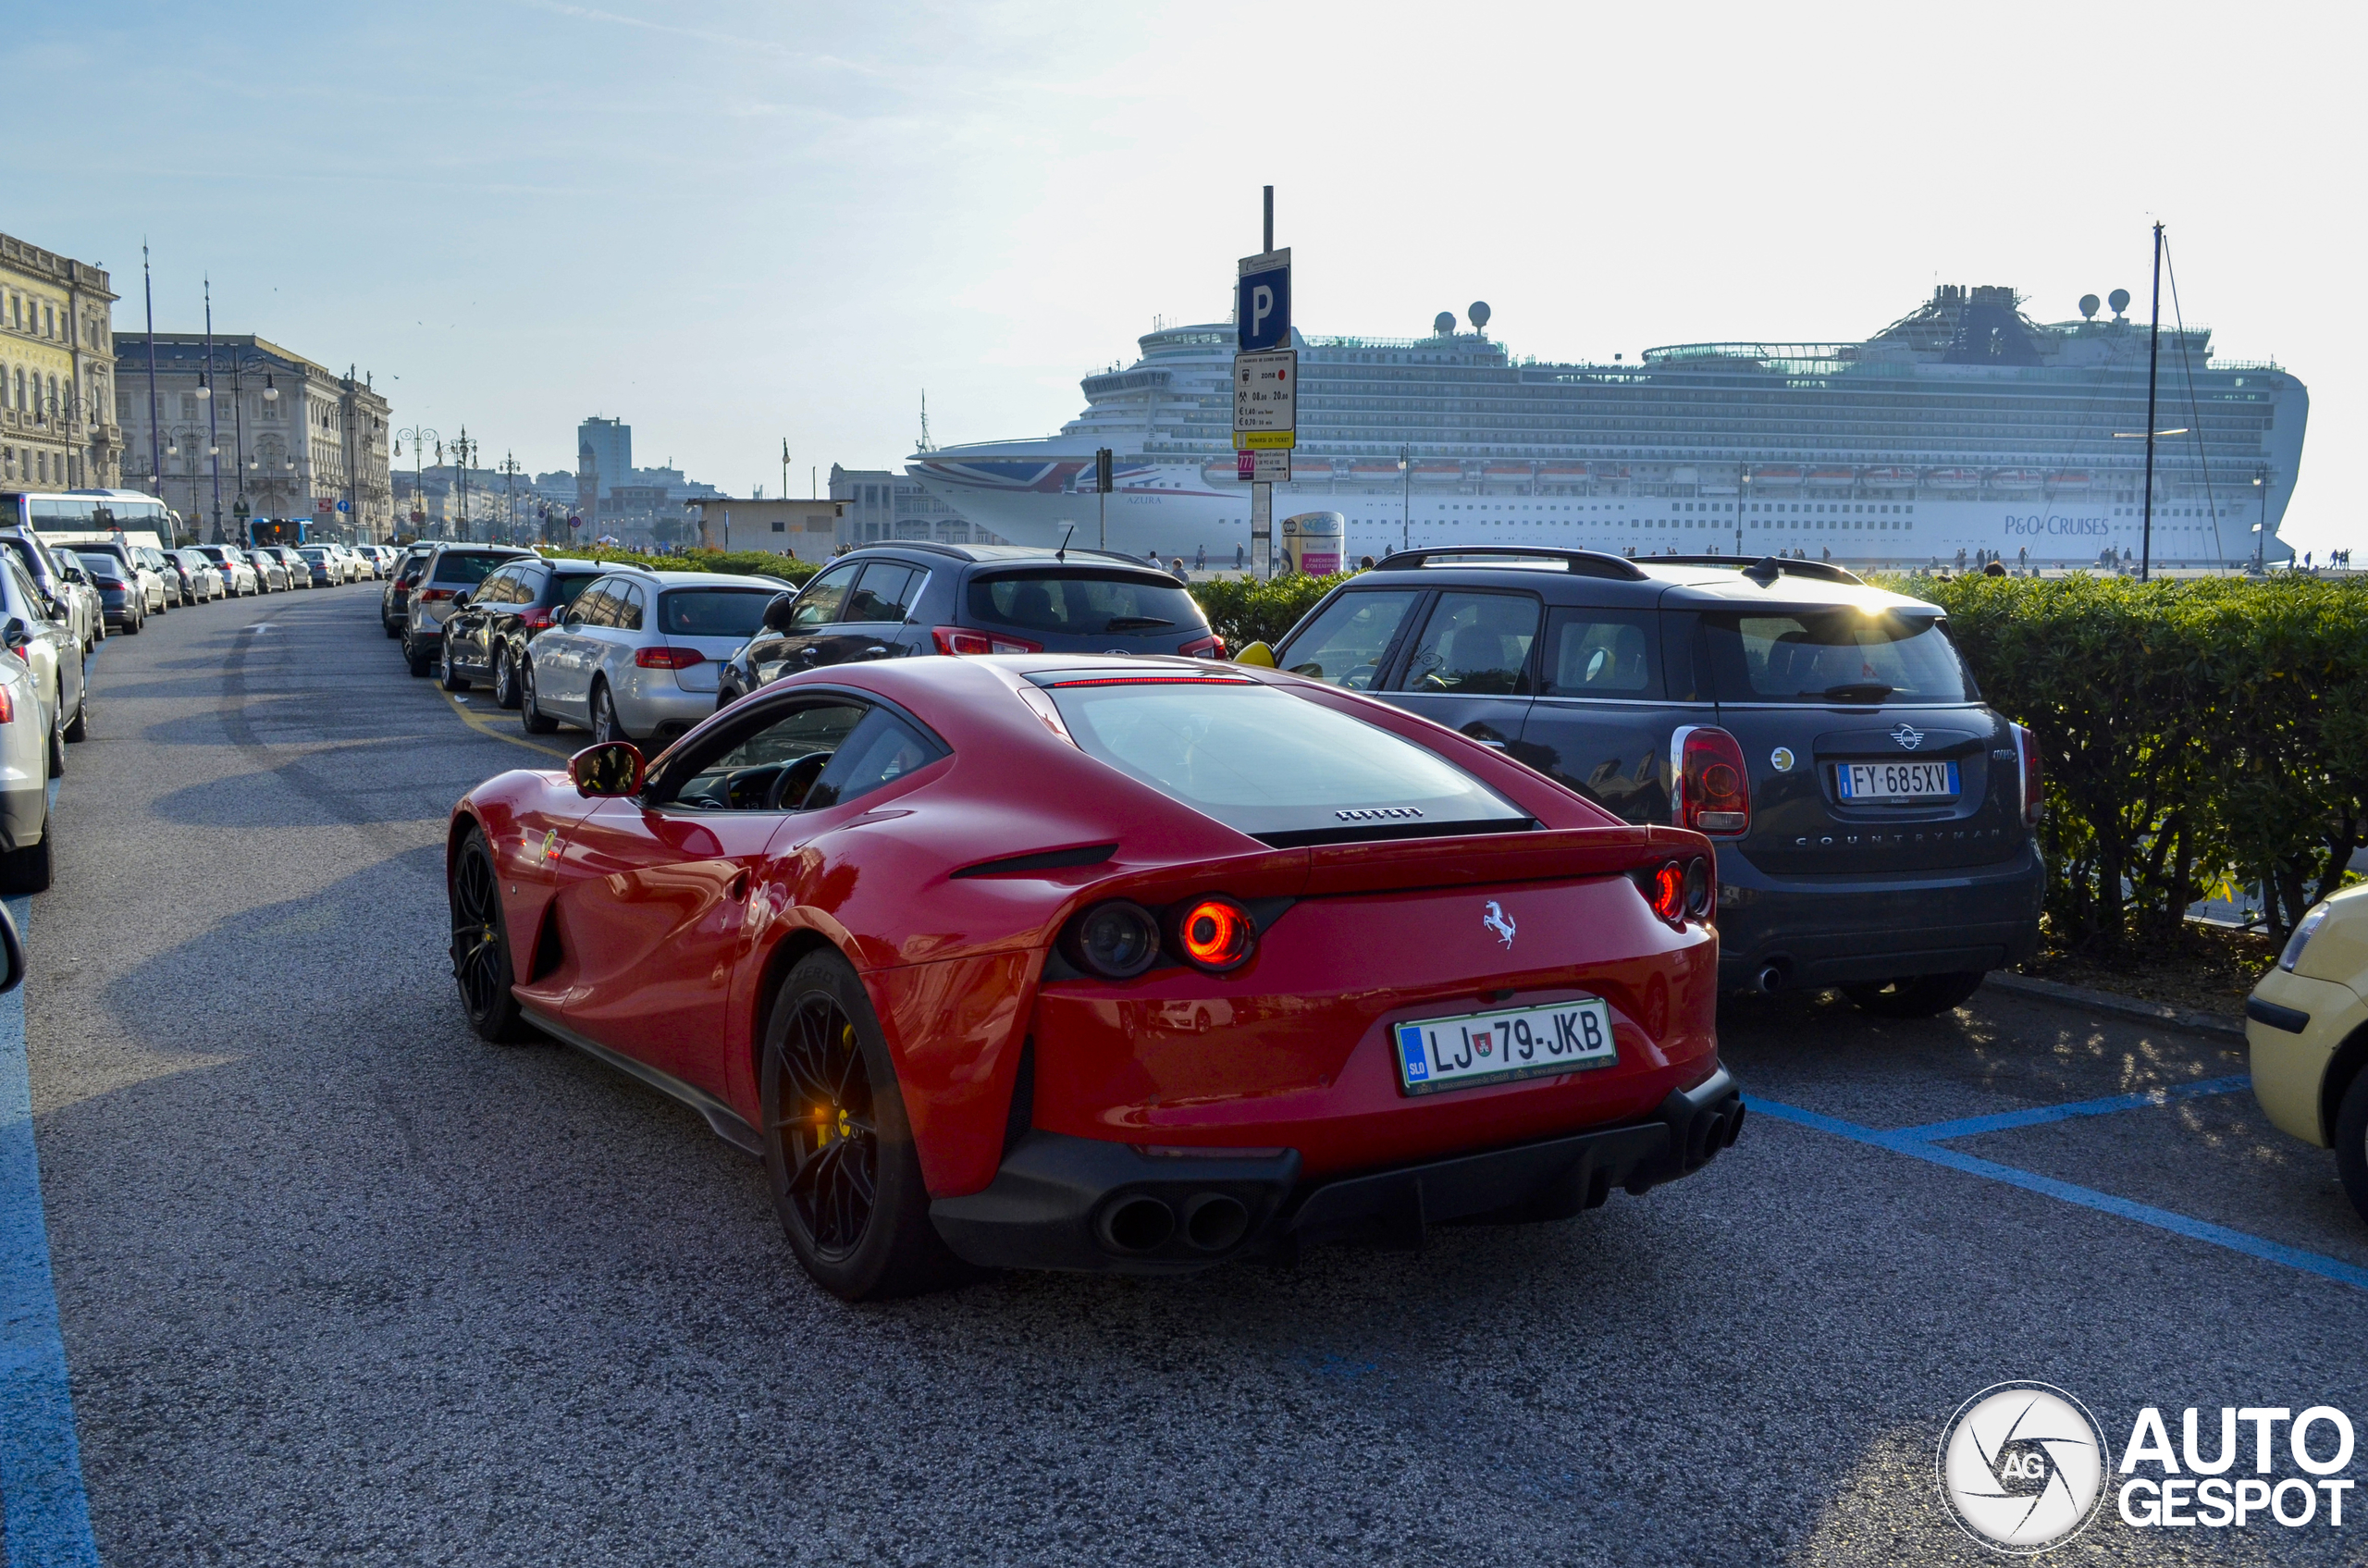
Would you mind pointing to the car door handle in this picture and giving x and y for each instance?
(870, 653)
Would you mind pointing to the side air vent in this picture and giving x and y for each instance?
(1042, 860)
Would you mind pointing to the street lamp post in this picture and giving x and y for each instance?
(418, 435)
(2261, 529)
(462, 450)
(1743, 494)
(510, 470)
(1405, 497)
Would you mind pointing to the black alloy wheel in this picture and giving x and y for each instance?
(531, 717)
(481, 946)
(839, 1152)
(1919, 996)
(505, 680)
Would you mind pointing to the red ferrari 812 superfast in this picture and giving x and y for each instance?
(1102, 963)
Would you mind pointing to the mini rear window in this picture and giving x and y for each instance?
(1278, 767)
(712, 613)
(1084, 602)
(470, 568)
(1847, 656)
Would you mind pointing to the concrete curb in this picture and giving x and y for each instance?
(2124, 1007)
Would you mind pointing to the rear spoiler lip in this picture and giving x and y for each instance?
(1409, 865)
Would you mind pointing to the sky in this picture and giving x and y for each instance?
(735, 225)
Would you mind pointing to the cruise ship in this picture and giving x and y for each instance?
(1963, 426)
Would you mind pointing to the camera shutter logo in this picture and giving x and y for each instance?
(2022, 1467)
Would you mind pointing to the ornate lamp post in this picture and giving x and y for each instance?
(418, 435)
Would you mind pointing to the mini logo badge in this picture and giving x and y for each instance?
(1781, 759)
(1495, 920)
(1908, 736)
(2022, 1467)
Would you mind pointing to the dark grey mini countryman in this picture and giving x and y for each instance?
(1873, 819)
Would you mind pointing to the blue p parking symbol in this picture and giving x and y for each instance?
(1261, 304)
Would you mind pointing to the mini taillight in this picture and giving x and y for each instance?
(2034, 796)
(963, 639)
(1215, 935)
(1210, 647)
(668, 658)
(1116, 940)
(1713, 791)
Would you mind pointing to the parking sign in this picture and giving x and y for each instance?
(1262, 309)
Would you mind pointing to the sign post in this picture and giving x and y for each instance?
(1265, 385)
(1102, 480)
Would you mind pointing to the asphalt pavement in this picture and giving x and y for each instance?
(339, 1283)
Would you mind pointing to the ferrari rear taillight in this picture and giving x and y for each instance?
(1215, 935)
(2034, 796)
(1713, 791)
(1210, 647)
(1678, 891)
(962, 639)
(668, 658)
(1117, 939)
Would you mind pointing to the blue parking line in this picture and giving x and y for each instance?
(2006, 1121)
(41, 1462)
(1915, 1144)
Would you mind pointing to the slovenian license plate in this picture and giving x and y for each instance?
(1435, 1054)
(1858, 781)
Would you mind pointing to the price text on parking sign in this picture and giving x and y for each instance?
(1265, 399)
(1262, 302)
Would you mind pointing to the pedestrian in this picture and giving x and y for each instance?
(1237, 558)
(1176, 568)
(1364, 564)
(1994, 569)
(1200, 558)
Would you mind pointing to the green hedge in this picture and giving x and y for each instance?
(1244, 610)
(2198, 735)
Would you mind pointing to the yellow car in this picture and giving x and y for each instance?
(2308, 1027)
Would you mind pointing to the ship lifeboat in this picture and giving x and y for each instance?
(1439, 472)
(1834, 476)
(1311, 470)
(1888, 477)
(1563, 474)
(1220, 470)
(2017, 478)
(1508, 474)
(2067, 481)
(1954, 478)
(1776, 476)
(1374, 473)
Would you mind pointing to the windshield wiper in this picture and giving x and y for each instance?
(1856, 692)
(1134, 623)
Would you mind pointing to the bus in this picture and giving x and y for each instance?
(289, 531)
(100, 512)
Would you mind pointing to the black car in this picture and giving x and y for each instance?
(1873, 819)
(120, 598)
(486, 636)
(394, 599)
(895, 600)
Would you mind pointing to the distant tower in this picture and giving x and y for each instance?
(927, 445)
(588, 485)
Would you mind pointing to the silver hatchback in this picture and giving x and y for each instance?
(638, 652)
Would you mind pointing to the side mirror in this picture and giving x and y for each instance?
(14, 636)
(461, 600)
(56, 608)
(777, 613)
(606, 772)
(572, 616)
(1256, 653)
(12, 946)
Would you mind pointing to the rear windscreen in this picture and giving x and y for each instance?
(1085, 603)
(712, 613)
(1276, 767)
(1835, 655)
(468, 568)
(105, 568)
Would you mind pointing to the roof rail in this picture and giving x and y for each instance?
(1580, 563)
(1766, 569)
